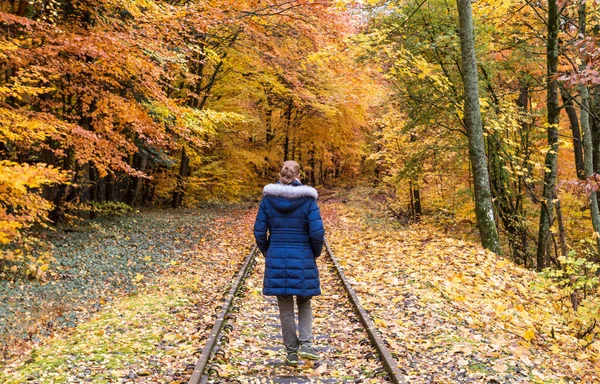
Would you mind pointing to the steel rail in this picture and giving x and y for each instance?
(198, 374)
(389, 363)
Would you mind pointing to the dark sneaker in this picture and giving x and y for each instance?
(292, 358)
(308, 352)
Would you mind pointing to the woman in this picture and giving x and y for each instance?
(290, 215)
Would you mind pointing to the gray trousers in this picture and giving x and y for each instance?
(291, 340)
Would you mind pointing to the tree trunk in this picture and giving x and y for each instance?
(48, 157)
(135, 163)
(286, 144)
(417, 202)
(522, 238)
(110, 187)
(412, 199)
(313, 165)
(195, 100)
(507, 198)
(93, 180)
(561, 230)
(270, 135)
(551, 162)
(137, 182)
(587, 139)
(22, 7)
(595, 127)
(594, 102)
(58, 214)
(147, 192)
(577, 147)
(474, 125)
(286, 147)
(183, 171)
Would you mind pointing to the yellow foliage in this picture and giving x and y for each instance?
(464, 299)
(21, 206)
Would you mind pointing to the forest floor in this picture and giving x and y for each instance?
(455, 313)
(132, 300)
(137, 289)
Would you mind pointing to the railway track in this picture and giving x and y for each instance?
(244, 345)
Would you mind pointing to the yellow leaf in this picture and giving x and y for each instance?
(582, 356)
(519, 308)
(555, 348)
(170, 337)
(137, 345)
(139, 277)
(529, 334)
(380, 323)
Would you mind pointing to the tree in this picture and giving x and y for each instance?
(587, 134)
(553, 116)
(474, 125)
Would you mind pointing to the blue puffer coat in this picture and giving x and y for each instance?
(290, 215)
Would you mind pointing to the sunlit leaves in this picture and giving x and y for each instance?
(448, 304)
(21, 206)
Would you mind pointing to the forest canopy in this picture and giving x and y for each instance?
(112, 104)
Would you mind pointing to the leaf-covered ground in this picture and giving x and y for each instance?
(144, 290)
(256, 351)
(93, 264)
(185, 260)
(454, 313)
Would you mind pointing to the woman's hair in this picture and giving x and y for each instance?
(289, 172)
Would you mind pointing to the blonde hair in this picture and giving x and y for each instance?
(289, 172)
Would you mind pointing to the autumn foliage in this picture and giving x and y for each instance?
(147, 102)
(111, 104)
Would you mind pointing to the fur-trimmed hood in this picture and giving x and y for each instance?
(287, 198)
(290, 191)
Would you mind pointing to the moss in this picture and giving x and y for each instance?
(479, 367)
